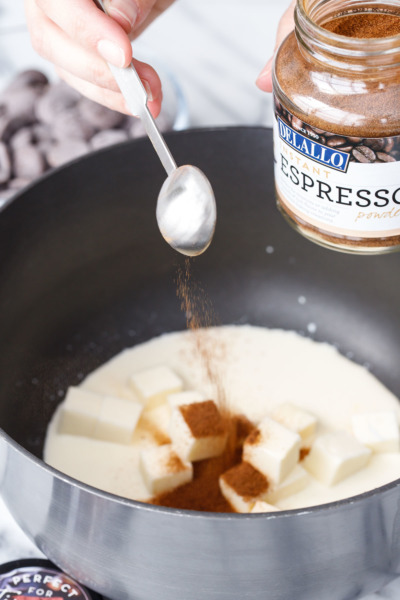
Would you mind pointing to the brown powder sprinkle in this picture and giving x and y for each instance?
(246, 480)
(244, 428)
(366, 25)
(174, 464)
(304, 452)
(200, 317)
(254, 437)
(203, 492)
(203, 419)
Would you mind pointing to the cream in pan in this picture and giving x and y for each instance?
(259, 370)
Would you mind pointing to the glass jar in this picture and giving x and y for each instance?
(337, 124)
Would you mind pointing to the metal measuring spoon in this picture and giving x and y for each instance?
(186, 210)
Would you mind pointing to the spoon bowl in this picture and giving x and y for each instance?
(186, 210)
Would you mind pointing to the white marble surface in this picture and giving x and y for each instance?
(215, 49)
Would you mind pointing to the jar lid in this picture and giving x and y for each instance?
(36, 578)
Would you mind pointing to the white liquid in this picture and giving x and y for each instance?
(260, 369)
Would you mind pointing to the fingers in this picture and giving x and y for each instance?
(107, 97)
(149, 10)
(124, 12)
(80, 64)
(89, 27)
(286, 25)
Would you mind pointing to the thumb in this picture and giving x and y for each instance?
(135, 14)
(286, 25)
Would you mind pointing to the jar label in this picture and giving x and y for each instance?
(346, 186)
(36, 582)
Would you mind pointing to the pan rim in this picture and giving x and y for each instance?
(281, 514)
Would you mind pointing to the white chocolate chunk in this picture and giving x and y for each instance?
(296, 419)
(335, 456)
(163, 470)
(192, 443)
(377, 430)
(154, 385)
(117, 420)
(239, 503)
(263, 507)
(242, 486)
(157, 422)
(80, 412)
(186, 397)
(295, 482)
(272, 449)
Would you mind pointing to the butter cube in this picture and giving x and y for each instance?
(242, 486)
(117, 420)
(377, 430)
(263, 507)
(335, 456)
(154, 385)
(186, 397)
(80, 412)
(272, 449)
(163, 470)
(298, 420)
(198, 431)
(294, 482)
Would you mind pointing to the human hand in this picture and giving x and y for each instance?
(80, 39)
(286, 25)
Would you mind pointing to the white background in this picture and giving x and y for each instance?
(215, 49)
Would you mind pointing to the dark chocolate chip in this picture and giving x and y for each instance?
(29, 78)
(20, 102)
(28, 162)
(100, 116)
(5, 164)
(10, 125)
(136, 129)
(22, 137)
(69, 124)
(18, 183)
(66, 150)
(57, 99)
(108, 137)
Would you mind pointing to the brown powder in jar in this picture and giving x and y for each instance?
(203, 419)
(370, 120)
(246, 480)
(365, 25)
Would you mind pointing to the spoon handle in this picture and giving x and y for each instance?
(136, 99)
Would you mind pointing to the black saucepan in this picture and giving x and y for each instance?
(85, 273)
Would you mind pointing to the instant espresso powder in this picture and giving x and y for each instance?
(337, 124)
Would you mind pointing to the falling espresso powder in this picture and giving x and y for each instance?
(203, 492)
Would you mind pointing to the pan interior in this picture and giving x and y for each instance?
(86, 274)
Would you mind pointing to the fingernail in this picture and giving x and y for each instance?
(123, 9)
(148, 90)
(111, 53)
